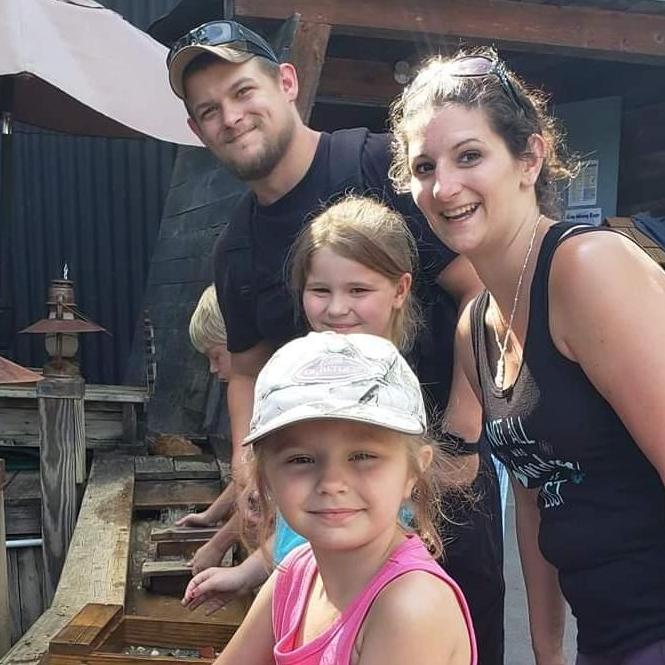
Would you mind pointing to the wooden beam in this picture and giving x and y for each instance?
(162, 632)
(5, 614)
(356, 81)
(183, 533)
(96, 565)
(307, 53)
(22, 505)
(591, 32)
(61, 444)
(155, 494)
(101, 658)
(87, 630)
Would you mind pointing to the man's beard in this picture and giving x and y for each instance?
(263, 163)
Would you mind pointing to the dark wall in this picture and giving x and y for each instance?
(199, 202)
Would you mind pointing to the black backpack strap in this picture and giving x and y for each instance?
(233, 251)
(477, 324)
(345, 168)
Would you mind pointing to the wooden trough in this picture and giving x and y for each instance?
(103, 635)
(103, 568)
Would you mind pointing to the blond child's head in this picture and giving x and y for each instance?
(339, 441)
(207, 332)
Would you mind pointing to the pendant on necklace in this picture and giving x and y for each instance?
(500, 373)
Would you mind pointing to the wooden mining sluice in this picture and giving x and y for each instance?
(104, 564)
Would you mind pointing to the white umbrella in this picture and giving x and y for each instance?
(78, 67)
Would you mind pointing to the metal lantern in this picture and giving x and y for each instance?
(62, 327)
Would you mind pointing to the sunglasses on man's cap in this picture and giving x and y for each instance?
(227, 39)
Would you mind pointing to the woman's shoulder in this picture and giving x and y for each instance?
(595, 265)
(592, 251)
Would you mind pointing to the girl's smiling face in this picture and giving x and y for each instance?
(340, 484)
(346, 296)
(463, 177)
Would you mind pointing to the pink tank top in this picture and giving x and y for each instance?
(335, 645)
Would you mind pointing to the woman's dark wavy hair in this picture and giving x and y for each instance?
(434, 87)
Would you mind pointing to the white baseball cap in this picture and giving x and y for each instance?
(327, 376)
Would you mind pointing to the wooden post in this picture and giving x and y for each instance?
(62, 454)
(307, 53)
(5, 615)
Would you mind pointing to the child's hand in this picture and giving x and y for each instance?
(195, 519)
(215, 587)
(207, 556)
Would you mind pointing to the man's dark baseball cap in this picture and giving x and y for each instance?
(228, 40)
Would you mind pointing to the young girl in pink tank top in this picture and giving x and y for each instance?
(339, 448)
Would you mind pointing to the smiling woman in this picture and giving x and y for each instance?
(564, 358)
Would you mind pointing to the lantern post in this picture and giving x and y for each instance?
(61, 426)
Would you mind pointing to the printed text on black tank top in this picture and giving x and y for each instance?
(530, 461)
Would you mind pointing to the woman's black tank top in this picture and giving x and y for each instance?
(602, 503)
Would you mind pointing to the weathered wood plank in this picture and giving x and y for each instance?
(14, 595)
(130, 423)
(183, 533)
(99, 658)
(162, 632)
(155, 495)
(153, 467)
(195, 467)
(87, 630)
(104, 424)
(178, 572)
(93, 393)
(96, 565)
(147, 604)
(79, 440)
(160, 467)
(23, 504)
(568, 30)
(5, 613)
(174, 548)
(23, 519)
(60, 434)
(31, 574)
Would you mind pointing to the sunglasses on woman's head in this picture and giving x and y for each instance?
(481, 65)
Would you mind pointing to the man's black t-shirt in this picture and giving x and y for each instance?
(269, 314)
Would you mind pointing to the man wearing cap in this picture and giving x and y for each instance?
(241, 103)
